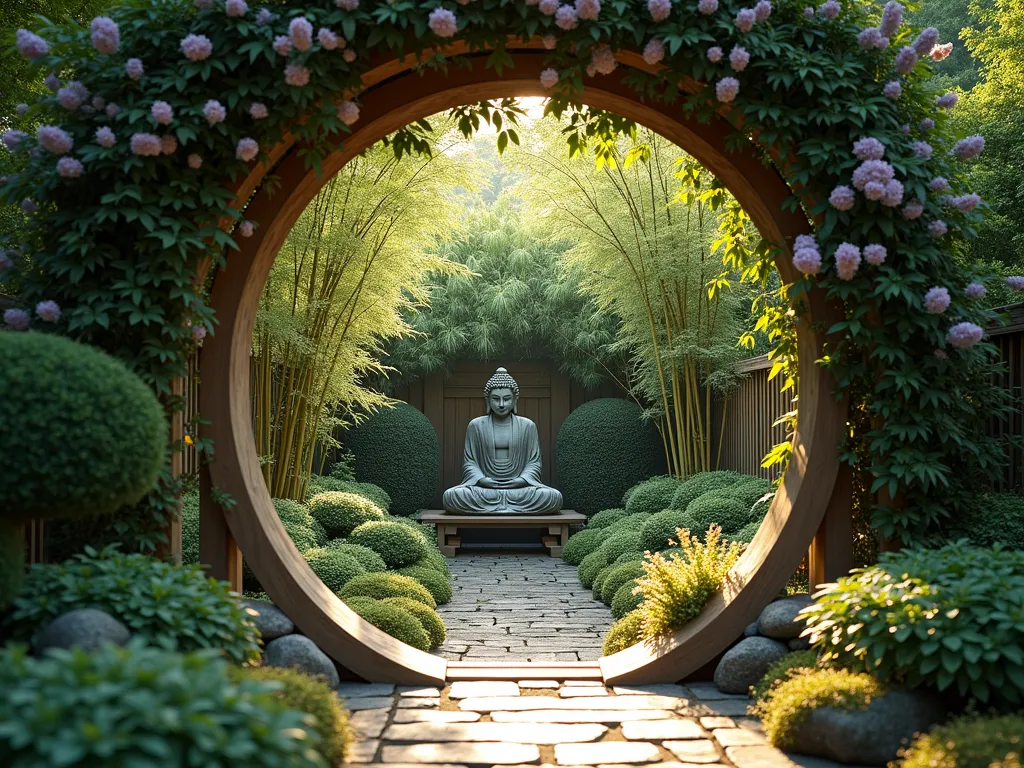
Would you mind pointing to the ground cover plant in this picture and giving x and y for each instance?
(976, 741)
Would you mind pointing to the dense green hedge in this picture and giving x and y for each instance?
(603, 448)
(995, 518)
(340, 513)
(396, 449)
(428, 618)
(397, 544)
(390, 618)
(381, 585)
(334, 567)
(652, 496)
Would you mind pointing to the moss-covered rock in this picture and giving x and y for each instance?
(606, 517)
(340, 513)
(730, 514)
(619, 575)
(428, 618)
(697, 485)
(624, 600)
(381, 585)
(582, 544)
(652, 496)
(590, 566)
(660, 528)
(397, 544)
(603, 448)
(624, 633)
(398, 623)
(436, 583)
(370, 560)
(335, 568)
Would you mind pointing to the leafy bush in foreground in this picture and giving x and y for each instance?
(782, 669)
(969, 742)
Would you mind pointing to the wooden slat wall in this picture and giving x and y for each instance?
(189, 458)
(1010, 340)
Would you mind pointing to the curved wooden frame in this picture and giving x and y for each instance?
(396, 97)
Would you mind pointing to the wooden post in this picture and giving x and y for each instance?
(218, 551)
(831, 553)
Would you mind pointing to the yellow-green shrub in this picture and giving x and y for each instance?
(969, 742)
(428, 618)
(625, 632)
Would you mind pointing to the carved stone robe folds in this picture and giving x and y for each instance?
(481, 461)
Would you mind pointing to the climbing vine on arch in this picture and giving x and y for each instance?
(156, 108)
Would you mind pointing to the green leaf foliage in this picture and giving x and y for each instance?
(366, 557)
(395, 543)
(978, 741)
(390, 618)
(582, 543)
(169, 606)
(334, 567)
(652, 496)
(340, 512)
(437, 584)
(428, 618)
(624, 633)
(381, 585)
(948, 619)
(994, 518)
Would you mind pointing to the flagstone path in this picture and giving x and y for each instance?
(548, 724)
(521, 607)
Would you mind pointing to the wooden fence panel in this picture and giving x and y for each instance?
(744, 433)
(1010, 340)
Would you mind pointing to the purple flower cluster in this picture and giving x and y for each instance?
(48, 311)
(282, 45)
(145, 144)
(964, 335)
(937, 300)
(30, 45)
(892, 18)
(104, 34)
(975, 290)
(348, 112)
(868, 148)
(52, 82)
(328, 40)
(54, 139)
(745, 19)
(246, 228)
(603, 60)
(134, 69)
(727, 88)
(874, 254)
(258, 110)
(806, 257)
(12, 139)
(549, 78)
(300, 32)
(162, 112)
(236, 8)
(926, 41)
(926, 124)
(196, 47)
(588, 9)
(966, 203)
(707, 7)
(565, 17)
(937, 228)
(16, 319)
(1015, 282)
(938, 184)
(72, 95)
(969, 147)
(112, 110)
(442, 22)
(762, 11)
(913, 210)
(654, 51)
(264, 17)
(739, 58)
(892, 89)
(906, 59)
(296, 75)
(947, 100)
(659, 9)
(714, 54)
(829, 10)
(922, 149)
(214, 112)
(847, 258)
(871, 37)
(247, 149)
(842, 198)
(548, 7)
(69, 168)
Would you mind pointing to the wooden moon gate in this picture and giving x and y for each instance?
(397, 97)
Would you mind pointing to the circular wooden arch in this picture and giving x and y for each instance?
(396, 96)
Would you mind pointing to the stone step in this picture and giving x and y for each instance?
(607, 752)
(485, 753)
(521, 733)
(513, 704)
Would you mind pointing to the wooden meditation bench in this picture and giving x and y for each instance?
(449, 541)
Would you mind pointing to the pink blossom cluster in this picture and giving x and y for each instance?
(892, 18)
(868, 148)
(12, 139)
(348, 112)
(906, 59)
(940, 52)
(969, 147)
(549, 78)
(30, 45)
(727, 88)
(937, 300)
(72, 95)
(347, 5)
(69, 168)
(966, 203)
(874, 254)
(871, 37)
(975, 290)
(247, 149)
(258, 110)
(162, 112)
(300, 32)
(654, 51)
(134, 68)
(565, 17)
(54, 139)
(16, 319)
(806, 257)
(195, 161)
(847, 258)
(925, 41)
(875, 179)
(603, 60)
(964, 335)
(947, 100)
(442, 22)
(714, 54)
(48, 311)
(1015, 282)
(588, 9)
(892, 89)
(550, 42)
(739, 58)
(937, 228)
(745, 19)
(842, 198)
(328, 40)
(762, 11)
(104, 35)
(707, 7)
(829, 10)
(548, 7)
(145, 144)
(264, 17)
(913, 210)
(105, 137)
(214, 112)
(196, 47)
(808, 12)
(348, 55)
(296, 75)
(246, 228)
(236, 8)
(659, 9)
(923, 149)
(168, 145)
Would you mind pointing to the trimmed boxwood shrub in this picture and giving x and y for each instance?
(435, 561)
(632, 522)
(782, 669)
(659, 528)
(620, 543)
(340, 513)
(381, 585)
(624, 633)
(428, 618)
(396, 449)
(304, 693)
(606, 517)
(652, 496)
(334, 568)
(428, 532)
(711, 508)
(396, 543)
(747, 533)
(891, 619)
(366, 557)
(995, 518)
(305, 533)
(398, 623)
(155, 707)
(619, 575)
(970, 742)
(633, 556)
(581, 544)
(590, 567)
(701, 483)
(437, 584)
(172, 606)
(603, 448)
(624, 600)
(323, 483)
(599, 580)
(747, 490)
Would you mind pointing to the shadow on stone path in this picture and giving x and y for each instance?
(521, 608)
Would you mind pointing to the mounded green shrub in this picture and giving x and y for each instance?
(190, 528)
(624, 600)
(632, 522)
(624, 633)
(599, 580)
(154, 707)
(995, 518)
(381, 585)
(696, 486)
(428, 618)
(366, 557)
(590, 566)
(606, 517)
(304, 693)
(620, 543)
(172, 606)
(711, 508)
(633, 556)
(428, 532)
(396, 449)
(398, 623)
(992, 741)
(746, 533)
(603, 448)
(581, 544)
(661, 527)
(788, 704)
(782, 669)
(435, 561)
(334, 567)
(619, 575)
(322, 483)
(652, 496)
(396, 543)
(305, 533)
(340, 513)
(748, 490)
(437, 584)
(968, 600)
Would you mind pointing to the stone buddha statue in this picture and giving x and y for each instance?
(501, 466)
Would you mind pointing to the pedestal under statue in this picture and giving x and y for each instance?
(501, 466)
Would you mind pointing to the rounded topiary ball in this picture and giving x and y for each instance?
(438, 585)
(581, 544)
(397, 545)
(619, 543)
(381, 585)
(652, 496)
(81, 434)
(660, 528)
(730, 514)
(701, 483)
(624, 601)
(624, 633)
(398, 623)
(340, 513)
(435, 561)
(428, 618)
(599, 580)
(590, 567)
(603, 448)
(396, 449)
(747, 533)
(748, 490)
(370, 560)
(619, 575)
(335, 569)
(606, 517)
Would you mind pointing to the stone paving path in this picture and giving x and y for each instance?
(546, 723)
(521, 607)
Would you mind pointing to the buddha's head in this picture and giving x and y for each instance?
(501, 394)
